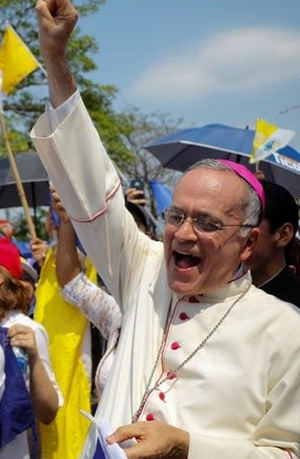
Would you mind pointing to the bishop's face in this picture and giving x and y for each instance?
(200, 261)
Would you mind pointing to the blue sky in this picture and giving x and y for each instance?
(226, 61)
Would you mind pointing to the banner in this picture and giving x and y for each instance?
(268, 140)
(16, 60)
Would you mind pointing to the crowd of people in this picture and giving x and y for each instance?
(202, 354)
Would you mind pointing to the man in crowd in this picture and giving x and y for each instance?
(269, 262)
(207, 364)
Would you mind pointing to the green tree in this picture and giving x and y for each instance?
(24, 105)
(140, 129)
(20, 225)
(124, 134)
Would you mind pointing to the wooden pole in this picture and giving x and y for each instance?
(19, 185)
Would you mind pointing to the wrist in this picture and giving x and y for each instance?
(33, 356)
(55, 58)
(65, 222)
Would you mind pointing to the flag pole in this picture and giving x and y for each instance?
(19, 185)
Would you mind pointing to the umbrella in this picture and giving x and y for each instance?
(34, 178)
(185, 147)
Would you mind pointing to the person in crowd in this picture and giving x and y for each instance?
(40, 247)
(294, 257)
(6, 229)
(29, 274)
(2, 371)
(26, 335)
(207, 364)
(29, 278)
(70, 352)
(16, 412)
(271, 258)
(96, 304)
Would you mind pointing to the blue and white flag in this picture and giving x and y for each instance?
(268, 140)
(16, 412)
(102, 449)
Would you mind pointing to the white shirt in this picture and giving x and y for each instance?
(240, 395)
(101, 309)
(42, 342)
(18, 448)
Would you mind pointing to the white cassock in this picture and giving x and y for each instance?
(239, 396)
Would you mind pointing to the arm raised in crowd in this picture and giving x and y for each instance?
(67, 261)
(56, 19)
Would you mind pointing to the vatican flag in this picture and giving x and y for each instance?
(66, 327)
(16, 60)
(268, 139)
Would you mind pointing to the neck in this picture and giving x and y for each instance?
(267, 271)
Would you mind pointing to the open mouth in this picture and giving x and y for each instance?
(186, 260)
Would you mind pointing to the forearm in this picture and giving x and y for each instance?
(43, 394)
(67, 262)
(60, 79)
(56, 21)
(99, 307)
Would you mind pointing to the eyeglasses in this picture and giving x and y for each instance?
(202, 224)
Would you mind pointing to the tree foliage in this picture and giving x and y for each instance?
(20, 225)
(24, 105)
(139, 130)
(124, 134)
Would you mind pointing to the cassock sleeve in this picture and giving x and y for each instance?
(90, 189)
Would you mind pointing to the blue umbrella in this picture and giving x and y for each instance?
(185, 147)
(162, 195)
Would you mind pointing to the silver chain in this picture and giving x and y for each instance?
(149, 391)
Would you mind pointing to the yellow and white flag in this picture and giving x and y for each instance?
(268, 139)
(16, 60)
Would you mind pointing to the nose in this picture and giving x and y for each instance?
(185, 231)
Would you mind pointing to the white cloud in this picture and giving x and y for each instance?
(246, 59)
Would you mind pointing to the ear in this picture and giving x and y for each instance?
(284, 235)
(249, 244)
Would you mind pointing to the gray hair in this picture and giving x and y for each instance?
(251, 205)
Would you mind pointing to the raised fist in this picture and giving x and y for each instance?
(56, 19)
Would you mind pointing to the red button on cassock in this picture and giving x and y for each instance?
(162, 396)
(175, 346)
(193, 299)
(171, 375)
(183, 316)
(150, 417)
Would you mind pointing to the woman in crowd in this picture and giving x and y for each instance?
(30, 343)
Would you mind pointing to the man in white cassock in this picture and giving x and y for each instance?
(207, 365)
